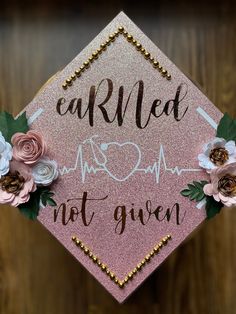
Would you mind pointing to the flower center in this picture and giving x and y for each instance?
(219, 156)
(12, 183)
(227, 185)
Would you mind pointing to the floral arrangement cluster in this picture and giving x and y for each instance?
(25, 170)
(218, 158)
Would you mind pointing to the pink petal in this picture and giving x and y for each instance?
(15, 137)
(208, 189)
(18, 200)
(6, 197)
(224, 198)
(228, 204)
(216, 197)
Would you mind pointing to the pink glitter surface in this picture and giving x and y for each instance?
(141, 164)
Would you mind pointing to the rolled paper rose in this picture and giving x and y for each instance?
(16, 186)
(217, 153)
(45, 172)
(5, 155)
(29, 147)
(223, 185)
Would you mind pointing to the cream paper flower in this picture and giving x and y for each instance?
(5, 156)
(45, 172)
(217, 153)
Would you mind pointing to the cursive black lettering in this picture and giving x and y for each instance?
(112, 112)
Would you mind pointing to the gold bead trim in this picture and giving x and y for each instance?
(132, 273)
(112, 37)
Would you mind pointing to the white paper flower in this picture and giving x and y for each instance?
(45, 172)
(217, 153)
(5, 155)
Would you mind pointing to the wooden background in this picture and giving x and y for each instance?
(37, 275)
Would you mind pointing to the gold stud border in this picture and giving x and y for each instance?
(112, 37)
(121, 283)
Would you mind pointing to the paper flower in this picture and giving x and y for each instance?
(217, 153)
(15, 187)
(45, 172)
(5, 156)
(223, 185)
(29, 147)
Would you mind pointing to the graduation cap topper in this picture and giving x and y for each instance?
(112, 159)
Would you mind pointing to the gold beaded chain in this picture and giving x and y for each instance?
(131, 274)
(103, 47)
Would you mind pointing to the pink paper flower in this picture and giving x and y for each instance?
(29, 147)
(223, 185)
(15, 187)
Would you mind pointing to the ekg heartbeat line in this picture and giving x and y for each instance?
(157, 167)
(100, 159)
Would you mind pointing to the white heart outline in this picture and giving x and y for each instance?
(134, 168)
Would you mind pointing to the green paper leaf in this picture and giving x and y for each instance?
(9, 126)
(43, 197)
(185, 192)
(191, 186)
(212, 207)
(227, 128)
(46, 197)
(44, 201)
(199, 184)
(194, 191)
(32, 207)
(51, 202)
(50, 194)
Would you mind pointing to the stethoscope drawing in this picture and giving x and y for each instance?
(100, 157)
